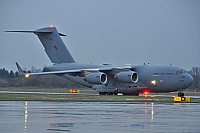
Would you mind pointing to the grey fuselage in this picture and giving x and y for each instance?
(151, 78)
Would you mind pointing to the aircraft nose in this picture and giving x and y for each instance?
(189, 79)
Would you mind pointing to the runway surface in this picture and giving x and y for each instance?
(98, 117)
(47, 93)
(66, 93)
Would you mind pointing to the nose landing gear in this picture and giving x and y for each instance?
(181, 94)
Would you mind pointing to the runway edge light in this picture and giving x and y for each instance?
(187, 99)
(182, 99)
(74, 91)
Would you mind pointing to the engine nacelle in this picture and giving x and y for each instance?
(127, 76)
(96, 78)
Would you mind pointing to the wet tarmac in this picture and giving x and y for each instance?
(97, 117)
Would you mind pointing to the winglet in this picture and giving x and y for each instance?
(19, 69)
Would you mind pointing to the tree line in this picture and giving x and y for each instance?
(4, 74)
(13, 79)
(195, 72)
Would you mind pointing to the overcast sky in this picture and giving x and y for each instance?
(104, 31)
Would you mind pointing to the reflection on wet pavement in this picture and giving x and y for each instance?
(98, 117)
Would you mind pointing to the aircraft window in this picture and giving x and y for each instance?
(169, 73)
(181, 81)
(179, 72)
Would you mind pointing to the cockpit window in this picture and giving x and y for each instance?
(181, 71)
(178, 72)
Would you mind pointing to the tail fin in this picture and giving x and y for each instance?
(53, 44)
(19, 69)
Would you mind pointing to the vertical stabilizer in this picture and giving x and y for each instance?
(54, 46)
(19, 69)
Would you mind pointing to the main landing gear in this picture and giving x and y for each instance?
(115, 93)
(131, 94)
(108, 93)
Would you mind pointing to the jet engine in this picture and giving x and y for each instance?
(127, 76)
(96, 78)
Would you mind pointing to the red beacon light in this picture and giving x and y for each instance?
(51, 26)
(146, 92)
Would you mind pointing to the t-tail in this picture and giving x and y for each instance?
(53, 44)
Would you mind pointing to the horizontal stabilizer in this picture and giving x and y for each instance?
(20, 31)
(62, 34)
(37, 32)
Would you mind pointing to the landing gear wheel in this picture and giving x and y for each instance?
(102, 93)
(110, 93)
(131, 94)
(115, 93)
(181, 94)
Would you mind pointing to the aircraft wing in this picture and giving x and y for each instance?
(62, 72)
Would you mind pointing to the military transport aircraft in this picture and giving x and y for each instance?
(107, 79)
